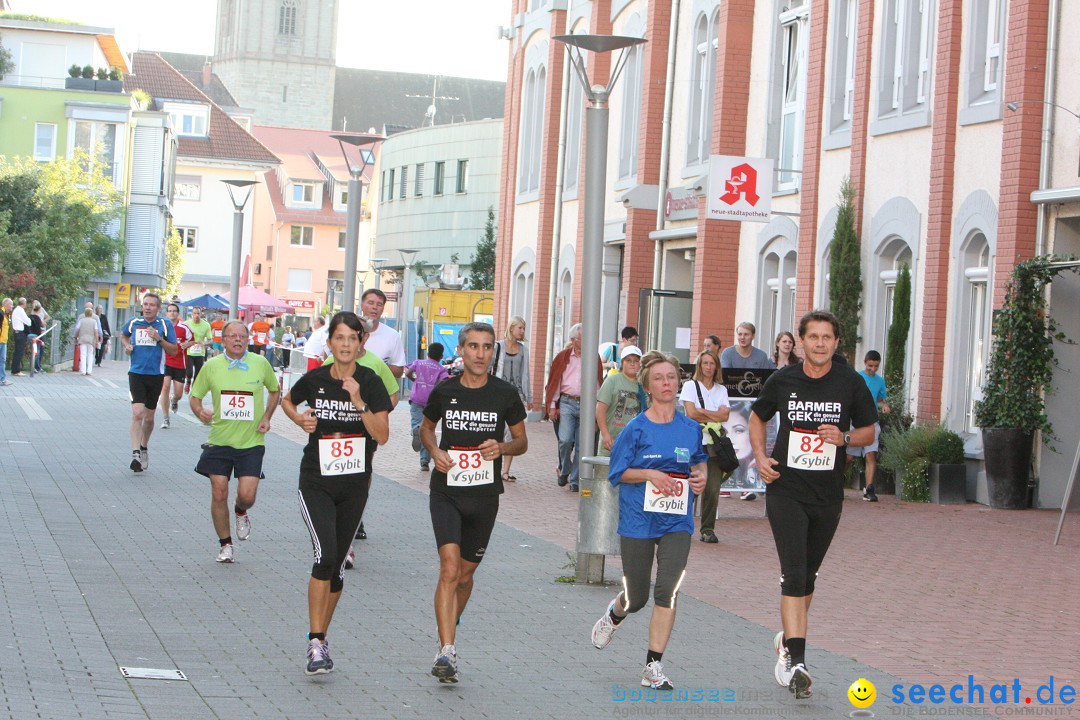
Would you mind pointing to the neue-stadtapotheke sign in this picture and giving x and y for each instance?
(740, 188)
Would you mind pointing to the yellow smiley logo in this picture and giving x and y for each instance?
(862, 693)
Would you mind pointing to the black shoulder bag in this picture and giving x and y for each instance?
(721, 449)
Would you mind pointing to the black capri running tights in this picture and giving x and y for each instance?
(802, 533)
(332, 510)
(671, 551)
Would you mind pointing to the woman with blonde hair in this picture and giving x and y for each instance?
(706, 401)
(511, 363)
(656, 463)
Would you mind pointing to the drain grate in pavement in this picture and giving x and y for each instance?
(151, 674)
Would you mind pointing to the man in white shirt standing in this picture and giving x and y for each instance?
(315, 348)
(383, 340)
(20, 325)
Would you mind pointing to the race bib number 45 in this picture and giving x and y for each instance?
(470, 468)
(674, 504)
(342, 455)
(808, 451)
(237, 406)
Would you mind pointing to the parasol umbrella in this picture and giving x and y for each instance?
(254, 299)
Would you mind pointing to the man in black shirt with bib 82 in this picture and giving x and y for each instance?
(818, 400)
(474, 409)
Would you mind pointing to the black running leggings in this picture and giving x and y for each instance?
(332, 509)
(802, 534)
(671, 551)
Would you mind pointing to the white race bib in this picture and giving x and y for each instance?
(260, 338)
(237, 405)
(809, 451)
(470, 468)
(342, 455)
(143, 337)
(675, 504)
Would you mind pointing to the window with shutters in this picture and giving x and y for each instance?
(702, 82)
(985, 59)
(905, 60)
(418, 180)
(841, 73)
(403, 188)
(299, 280)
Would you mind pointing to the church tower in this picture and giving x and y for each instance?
(279, 57)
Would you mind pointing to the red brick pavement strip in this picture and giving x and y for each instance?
(928, 593)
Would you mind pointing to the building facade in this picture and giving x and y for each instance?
(906, 98)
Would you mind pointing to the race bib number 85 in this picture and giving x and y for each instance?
(675, 504)
(808, 451)
(342, 455)
(470, 468)
(237, 406)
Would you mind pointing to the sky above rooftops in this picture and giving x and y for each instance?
(419, 36)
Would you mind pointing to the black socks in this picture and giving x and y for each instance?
(797, 649)
(226, 541)
(653, 655)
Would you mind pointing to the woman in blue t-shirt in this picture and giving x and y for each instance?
(656, 462)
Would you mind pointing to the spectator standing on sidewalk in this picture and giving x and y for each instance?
(106, 333)
(818, 403)
(88, 336)
(619, 400)
(562, 402)
(315, 349)
(172, 389)
(511, 364)
(238, 424)
(711, 343)
(705, 400)
(425, 374)
(656, 463)
(347, 416)
(784, 351)
(876, 384)
(20, 325)
(147, 338)
(474, 409)
(39, 320)
(6, 308)
(743, 355)
(383, 340)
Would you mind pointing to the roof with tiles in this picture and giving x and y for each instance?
(225, 139)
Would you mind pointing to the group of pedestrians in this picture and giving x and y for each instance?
(658, 461)
(25, 327)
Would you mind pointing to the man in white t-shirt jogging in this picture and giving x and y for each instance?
(383, 340)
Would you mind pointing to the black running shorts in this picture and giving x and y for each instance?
(175, 373)
(230, 462)
(145, 389)
(464, 521)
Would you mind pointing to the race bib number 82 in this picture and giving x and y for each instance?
(809, 451)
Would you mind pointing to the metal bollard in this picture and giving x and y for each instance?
(598, 520)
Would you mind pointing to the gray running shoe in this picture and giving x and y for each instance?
(445, 667)
(243, 526)
(165, 423)
(319, 662)
(145, 458)
(136, 461)
(175, 405)
(416, 444)
(604, 629)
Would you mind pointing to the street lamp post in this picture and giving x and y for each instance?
(237, 241)
(405, 301)
(596, 139)
(352, 217)
(376, 265)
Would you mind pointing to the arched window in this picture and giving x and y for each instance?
(522, 299)
(631, 81)
(533, 94)
(776, 299)
(892, 255)
(575, 112)
(703, 80)
(287, 17)
(974, 317)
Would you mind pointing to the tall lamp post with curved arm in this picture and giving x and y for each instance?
(352, 217)
(237, 241)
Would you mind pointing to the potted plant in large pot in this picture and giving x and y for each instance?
(1018, 377)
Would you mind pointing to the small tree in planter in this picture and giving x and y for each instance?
(88, 72)
(102, 74)
(116, 73)
(1019, 374)
(845, 273)
(75, 71)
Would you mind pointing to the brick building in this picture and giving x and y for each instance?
(907, 98)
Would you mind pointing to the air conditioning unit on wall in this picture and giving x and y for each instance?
(258, 268)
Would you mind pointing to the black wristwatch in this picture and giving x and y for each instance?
(847, 438)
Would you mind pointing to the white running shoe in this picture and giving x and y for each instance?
(165, 423)
(145, 458)
(782, 671)
(800, 682)
(653, 676)
(350, 559)
(243, 526)
(604, 629)
(319, 662)
(225, 555)
(445, 667)
(136, 461)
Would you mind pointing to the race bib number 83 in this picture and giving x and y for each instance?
(470, 468)
(808, 451)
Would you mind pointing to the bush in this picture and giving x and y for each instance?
(102, 74)
(910, 453)
(75, 71)
(88, 72)
(116, 73)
